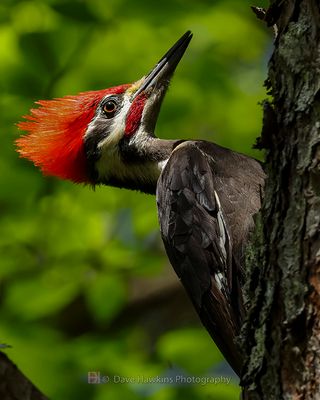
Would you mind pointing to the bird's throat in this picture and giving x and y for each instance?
(135, 164)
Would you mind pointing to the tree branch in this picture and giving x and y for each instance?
(14, 385)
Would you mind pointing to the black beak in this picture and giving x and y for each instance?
(166, 66)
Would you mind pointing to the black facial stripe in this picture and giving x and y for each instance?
(132, 154)
(93, 153)
(129, 152)
(100, 129)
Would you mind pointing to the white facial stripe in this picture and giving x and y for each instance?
(117, 125)
(110, 163)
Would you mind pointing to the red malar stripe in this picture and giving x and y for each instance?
(135, 113)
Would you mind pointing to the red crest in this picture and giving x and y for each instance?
(56, 129)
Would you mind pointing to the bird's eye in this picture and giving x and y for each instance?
(109, 108)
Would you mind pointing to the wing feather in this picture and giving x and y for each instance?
(196, 231)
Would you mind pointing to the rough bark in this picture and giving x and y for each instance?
(282, 333)
(14, 385)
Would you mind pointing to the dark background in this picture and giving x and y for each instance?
(85, 283)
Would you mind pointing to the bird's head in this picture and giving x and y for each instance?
(96, 136)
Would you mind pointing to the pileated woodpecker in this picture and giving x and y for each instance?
(206, 194)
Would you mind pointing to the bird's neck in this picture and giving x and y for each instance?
(136, 164)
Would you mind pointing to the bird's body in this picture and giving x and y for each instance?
(206, 194)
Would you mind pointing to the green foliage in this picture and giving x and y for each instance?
(183, 347)
(71, 256)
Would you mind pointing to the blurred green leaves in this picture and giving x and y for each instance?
(70, 255)
(191, 349)
(106, 295)
(78, 11)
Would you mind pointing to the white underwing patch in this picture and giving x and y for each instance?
(222, 228)
(220, 280)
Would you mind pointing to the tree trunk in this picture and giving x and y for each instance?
(282, 332)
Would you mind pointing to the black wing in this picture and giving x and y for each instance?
(195, 228)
